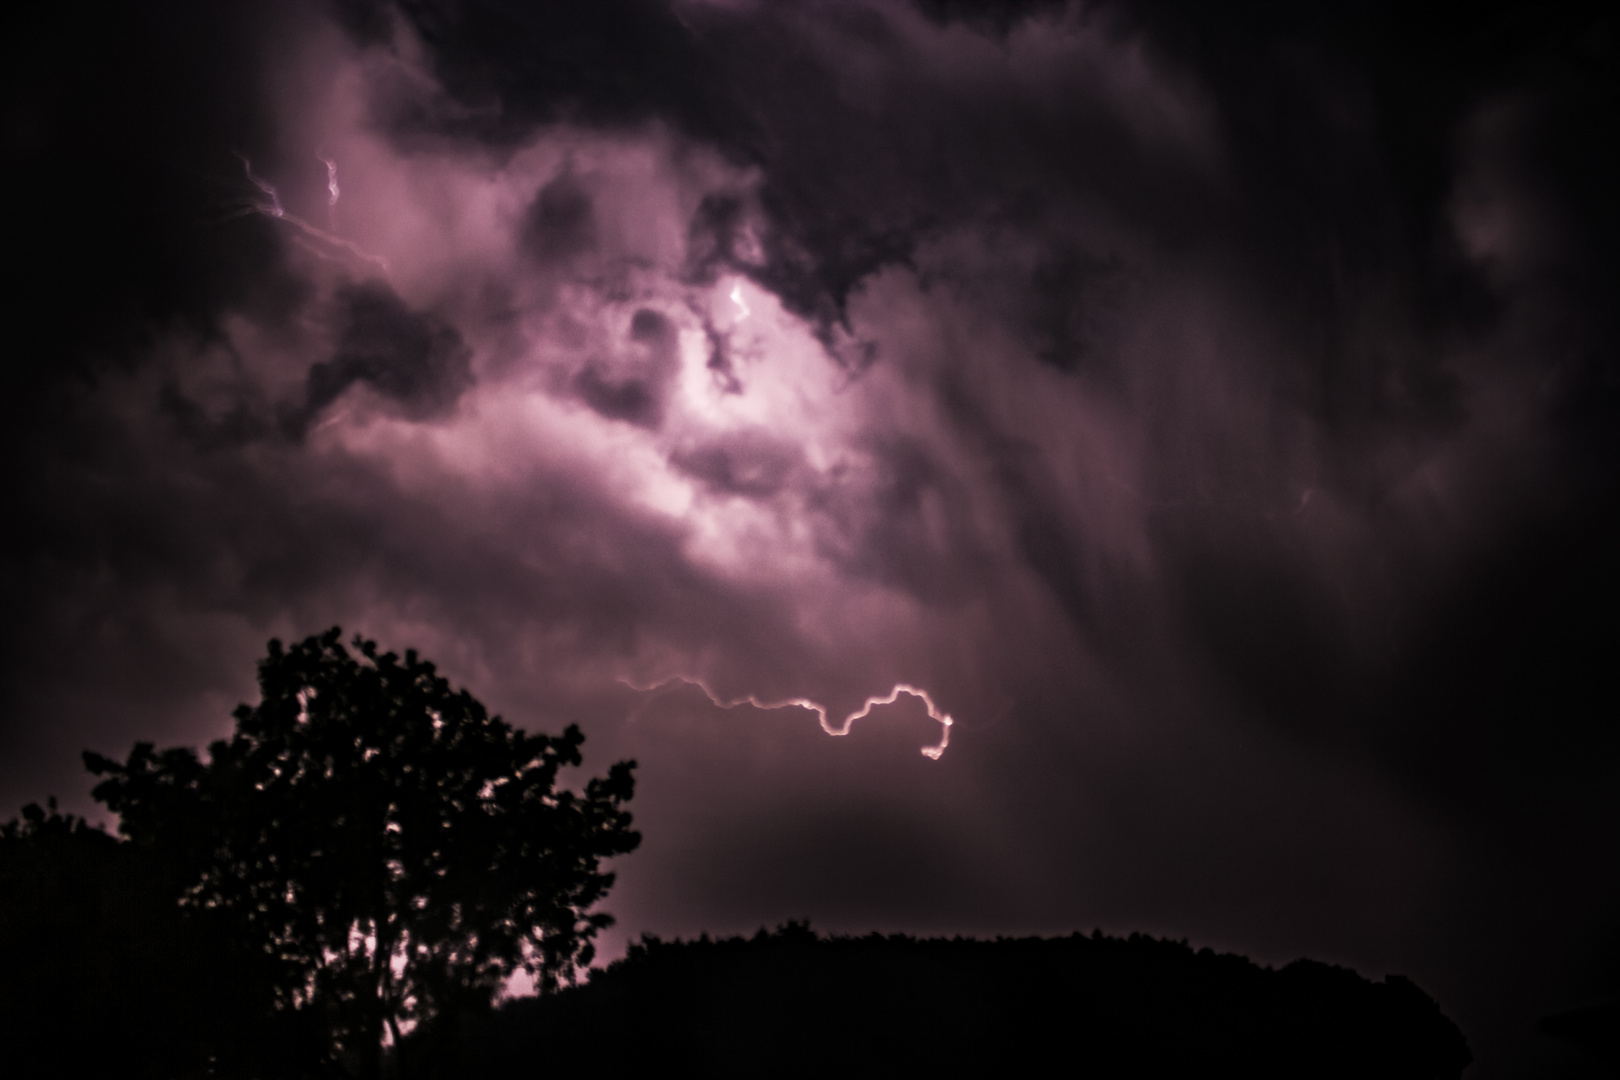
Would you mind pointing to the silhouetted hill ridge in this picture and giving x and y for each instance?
(791, 1003)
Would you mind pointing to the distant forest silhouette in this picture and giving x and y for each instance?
(343, 887)
(795, 1004)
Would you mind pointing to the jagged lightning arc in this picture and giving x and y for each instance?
(274, 209)
(943, 719)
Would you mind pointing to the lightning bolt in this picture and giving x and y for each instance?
(943, 719)
(274, 209)
(271, 209)
(742, 305)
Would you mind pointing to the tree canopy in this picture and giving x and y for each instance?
(391, 848)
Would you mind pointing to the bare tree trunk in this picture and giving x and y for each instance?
(371, 1042)
(399, 1045)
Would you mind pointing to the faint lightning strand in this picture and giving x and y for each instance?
(332, 190)
(337, 241)
(274, 209)
(943, 719)
(742, 305)
(271, 209)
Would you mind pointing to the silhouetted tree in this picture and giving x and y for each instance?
(394, 850)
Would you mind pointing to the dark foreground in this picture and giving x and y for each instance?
(791, 1004)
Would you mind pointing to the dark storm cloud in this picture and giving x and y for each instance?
(1219, 417)
(562, 222)
(1070, 292)
(186, 529)
(716, 239)
(1503, 697)
(1363, 160)
(507, 68)
(413, 359)
(1344, 126)
(749, 464)
(632, 384)
(906, 524)
(247, 419)
(1343, 139)
(742, 83)
(119, 125)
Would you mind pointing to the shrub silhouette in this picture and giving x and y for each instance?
(104, 974)
(387, 850)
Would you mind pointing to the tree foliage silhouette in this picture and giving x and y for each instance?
(395, 850)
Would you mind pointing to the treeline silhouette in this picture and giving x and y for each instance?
(1594, 1029)
(102, 973)
(792, 1004)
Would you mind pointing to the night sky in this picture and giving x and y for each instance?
(1214, 409)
